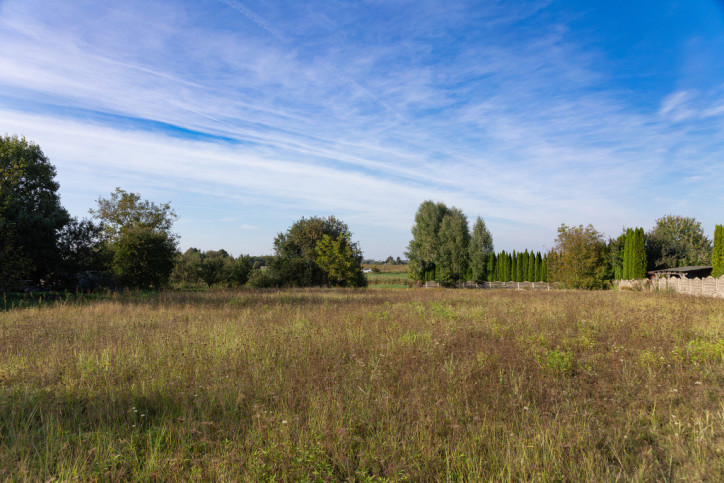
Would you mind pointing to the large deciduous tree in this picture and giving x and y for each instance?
(480, 248)
(84, 256)
(31, 216)
(144, 258)
(337, 258)
(677, 241)
(125, 211)
(296, 260)
(422, 250)
(138, 233)
(578, 259)
(451, 258)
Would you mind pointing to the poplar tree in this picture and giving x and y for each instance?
(481, 246)
(425, 242)
(454, 237)
(717, 256)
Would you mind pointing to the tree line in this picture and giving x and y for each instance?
(129, 242)
(444, 249)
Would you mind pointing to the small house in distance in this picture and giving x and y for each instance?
(682, 272)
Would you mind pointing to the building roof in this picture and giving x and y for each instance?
(684, 269)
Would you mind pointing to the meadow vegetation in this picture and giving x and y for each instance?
(388, 276)
(364, 385)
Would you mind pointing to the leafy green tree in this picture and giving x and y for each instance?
(578, 259)
(677, 241)
(31, 215)
(717, 256)
(480, 248)
(616, 248)
(239, 271)
(83, 251)
(13, 267)
(144, 258)
(423, 248)
(186, 270)
(132, 225)
(339, 261)
(295, 261)
(451, 258)
(126, 211)
(211, 269)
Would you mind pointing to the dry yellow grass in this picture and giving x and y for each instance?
(365, 385)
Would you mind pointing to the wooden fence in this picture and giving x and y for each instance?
(707, 287)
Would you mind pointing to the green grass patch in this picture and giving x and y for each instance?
(363, 385)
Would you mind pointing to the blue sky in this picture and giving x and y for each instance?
(248, 115)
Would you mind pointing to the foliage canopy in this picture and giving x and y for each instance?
(578, 258)
(125, 211)
(677, 241)
(31, 215)
(299, 262)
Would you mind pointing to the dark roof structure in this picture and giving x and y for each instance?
(702, 271)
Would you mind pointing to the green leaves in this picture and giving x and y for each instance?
(125, 211)
(138, 233)
(30, 207)
(144, 258)
(717, 257)
(337, 259)
(678, 241)
(578, 258)
(299, 263)
(442, 247)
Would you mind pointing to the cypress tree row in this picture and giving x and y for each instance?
(531, 267)
(634, 255)
(627, 259)
(717, 256)
(492, 264)
(517, 267)
(639, 255)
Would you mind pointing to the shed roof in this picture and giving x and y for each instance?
(684, 269)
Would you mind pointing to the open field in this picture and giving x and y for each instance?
(388, 276)
(366, 385)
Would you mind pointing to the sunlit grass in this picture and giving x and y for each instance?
(365, 384)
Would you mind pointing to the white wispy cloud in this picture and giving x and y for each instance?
(295, 116)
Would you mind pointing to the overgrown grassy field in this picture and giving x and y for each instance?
(365, 385)
(388, 276)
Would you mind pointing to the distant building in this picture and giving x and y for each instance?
(682, 272)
